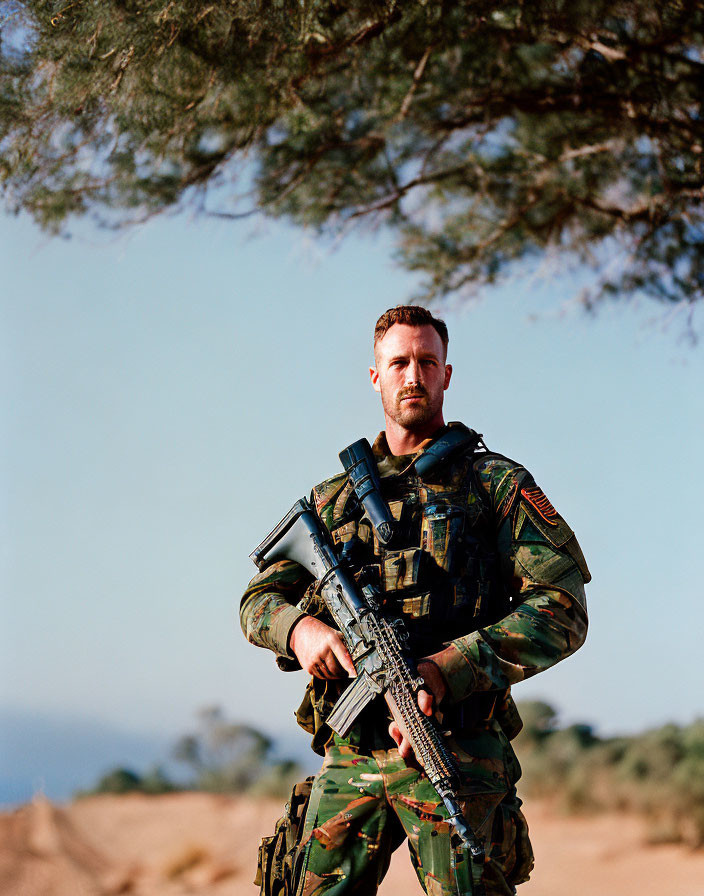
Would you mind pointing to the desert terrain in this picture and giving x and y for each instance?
(196, 843)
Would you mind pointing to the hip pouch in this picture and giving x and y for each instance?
(276, 864)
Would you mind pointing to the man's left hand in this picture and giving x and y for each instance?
(428, 700)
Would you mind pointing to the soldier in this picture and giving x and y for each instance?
(490, 582)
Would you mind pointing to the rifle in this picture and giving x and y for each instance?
(377, 647)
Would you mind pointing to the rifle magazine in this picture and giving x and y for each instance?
(358, 695)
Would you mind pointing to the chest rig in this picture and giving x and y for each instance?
(420, 532)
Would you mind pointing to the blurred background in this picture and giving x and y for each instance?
(168, 394)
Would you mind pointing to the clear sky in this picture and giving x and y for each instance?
(168, 394)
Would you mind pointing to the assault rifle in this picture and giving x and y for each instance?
(377, 647)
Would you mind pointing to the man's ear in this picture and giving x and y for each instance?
(374, 376)
(448, 375)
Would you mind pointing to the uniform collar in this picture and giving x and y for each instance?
(390, 464)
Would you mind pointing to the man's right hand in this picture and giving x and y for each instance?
(320, 650)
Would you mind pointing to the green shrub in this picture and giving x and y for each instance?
(659, 773)
(119, 780)
(221, 757)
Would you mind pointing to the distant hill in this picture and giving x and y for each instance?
(57, 756)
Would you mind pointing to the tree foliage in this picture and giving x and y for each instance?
(486, 135)
(221, 757)
(659, 773)
(227, 757)
(121, 780)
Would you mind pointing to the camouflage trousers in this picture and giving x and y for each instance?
(362, 807)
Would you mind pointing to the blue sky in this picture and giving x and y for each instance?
(167, 395)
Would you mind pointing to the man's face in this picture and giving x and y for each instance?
(411, 375)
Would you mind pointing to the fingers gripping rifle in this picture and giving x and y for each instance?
(376, 647)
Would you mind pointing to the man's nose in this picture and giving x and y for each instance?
(412, 373)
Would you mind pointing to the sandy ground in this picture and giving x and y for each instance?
(203, 844)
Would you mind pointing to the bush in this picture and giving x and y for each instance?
(119, 780)
(222, 757)
(659, 773)
(225, 757)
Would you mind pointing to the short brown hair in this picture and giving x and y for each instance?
(412, 315)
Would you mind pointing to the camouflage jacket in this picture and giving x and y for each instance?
(487, 575)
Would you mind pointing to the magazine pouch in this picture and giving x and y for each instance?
(276, 871)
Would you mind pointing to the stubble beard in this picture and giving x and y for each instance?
(409, 416)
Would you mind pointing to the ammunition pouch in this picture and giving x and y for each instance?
(478, 709)
(277, 866)
(472, 712)
(318, 702)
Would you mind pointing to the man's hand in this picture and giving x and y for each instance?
(428, 701)
(320, 650)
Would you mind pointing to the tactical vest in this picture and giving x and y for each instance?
(440, 574)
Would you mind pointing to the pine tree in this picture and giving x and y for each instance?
(487, 135)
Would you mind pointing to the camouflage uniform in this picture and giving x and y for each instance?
(485, 572)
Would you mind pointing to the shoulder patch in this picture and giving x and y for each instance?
(535, 507)
(538, 501)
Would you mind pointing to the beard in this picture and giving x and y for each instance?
(410, 415)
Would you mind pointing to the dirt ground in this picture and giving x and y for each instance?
(196, 843)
